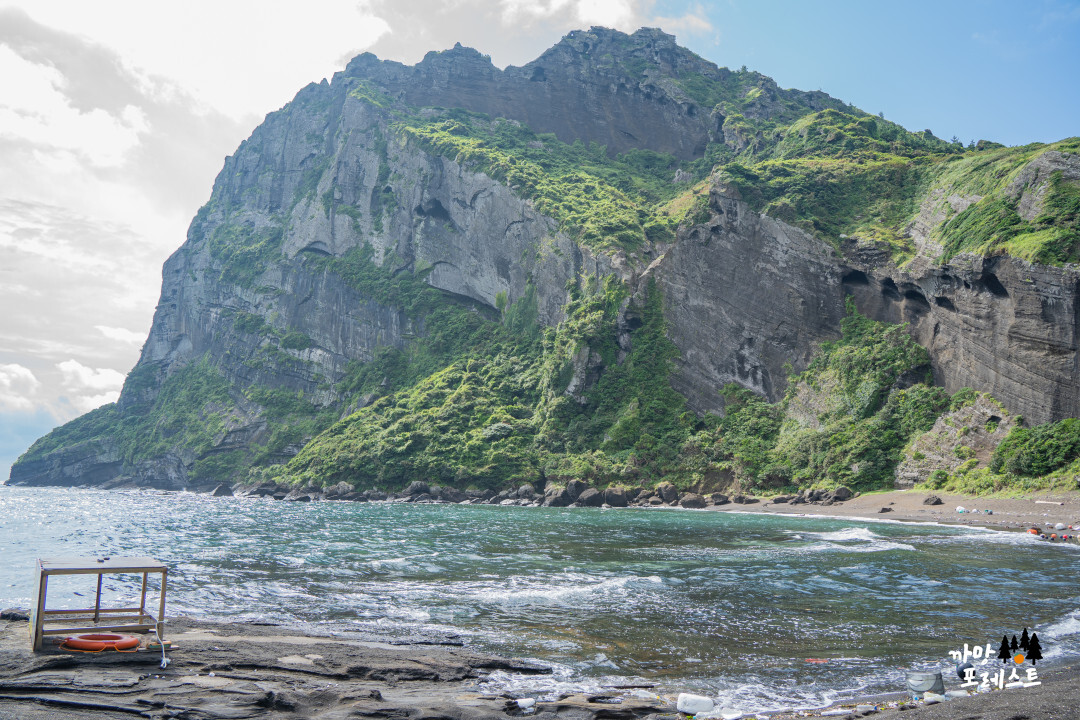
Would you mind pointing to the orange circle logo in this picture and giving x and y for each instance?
(1018, 659)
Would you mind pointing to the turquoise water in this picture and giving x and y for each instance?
(722, 603)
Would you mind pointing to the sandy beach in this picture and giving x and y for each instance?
(1042, 510)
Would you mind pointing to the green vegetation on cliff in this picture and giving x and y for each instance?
(845, 420)
(837, 175)
(600, 201)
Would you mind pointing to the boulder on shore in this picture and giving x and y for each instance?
(692, 500)
(591, 498)
(616, 497)
(668, 493)
(417, 487)
(575, 488)
(557, 497)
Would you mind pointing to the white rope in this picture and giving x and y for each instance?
(161, 642)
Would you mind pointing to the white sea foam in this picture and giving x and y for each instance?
(562, 588)
(1068, 625)
(852, 533)
(853, 539)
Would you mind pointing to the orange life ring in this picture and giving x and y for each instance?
(96, 642)
(1033, 531)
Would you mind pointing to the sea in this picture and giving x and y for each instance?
(765, 612)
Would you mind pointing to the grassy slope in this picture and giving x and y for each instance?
(835, 175)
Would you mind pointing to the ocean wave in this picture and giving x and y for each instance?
(1068, 625)
(562, 588)
(852, 533)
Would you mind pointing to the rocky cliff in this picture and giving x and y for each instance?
(560, 238)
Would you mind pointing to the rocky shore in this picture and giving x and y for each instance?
(242, 670)
(1052, 513)
(575, 493)
(221, 671)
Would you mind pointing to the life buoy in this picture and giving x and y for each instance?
(96, 642)
(1033, 531)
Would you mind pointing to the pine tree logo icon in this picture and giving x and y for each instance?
(1019, 651)
(1034, 652)
(1004, 654)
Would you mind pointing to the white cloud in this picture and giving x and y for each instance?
(80, 377)
(86, 403)
(122, 334)
(90, 387)
(240, 58)
(35, 109)
(18, 386)
(694, 22)
(620, 14)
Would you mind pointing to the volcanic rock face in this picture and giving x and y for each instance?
(1000, 325)
(595, 86)
(745, 297)
(744, 294)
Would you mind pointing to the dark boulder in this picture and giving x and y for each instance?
(781, 499)
(575, 488)
(339, 490)
(719, 499)
(885, 510)
(556, 496)
(526, 492)
(668, 493)
(591, 498)
(692, 500)
(222, 491)
(453, 495)
(842, 493)
(656, 500)
(932, 500)
(417, 487)
(616, 497)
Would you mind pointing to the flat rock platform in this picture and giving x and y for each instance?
(244, 670)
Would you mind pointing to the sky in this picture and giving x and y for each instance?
(116, 115)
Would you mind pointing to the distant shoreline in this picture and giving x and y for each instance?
(1016, 514)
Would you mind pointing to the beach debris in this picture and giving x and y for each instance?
(933, 698)
(1059, 526)
(953, 694)
(961, 667)
(526, 703)
(866, 708)
(961, 509)
(693, 704)
(919, 683)
(1048, 502)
